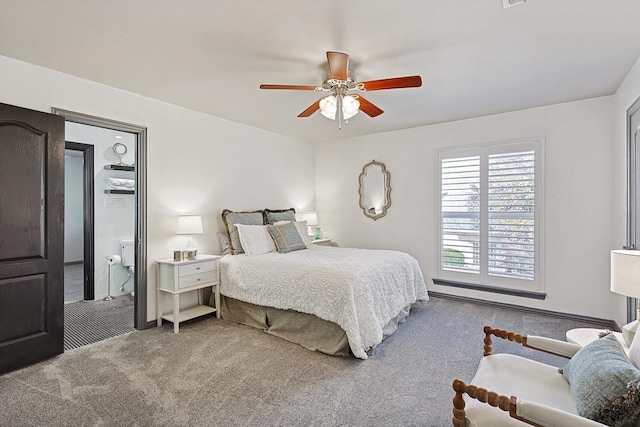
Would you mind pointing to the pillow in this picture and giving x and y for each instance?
(224, 242)
(230, 218)
(301, 226)
(604, 384)
(634, 352)
(255, 239)
(273, 216)
(286, 237)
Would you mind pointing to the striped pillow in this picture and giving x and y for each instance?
(286, 237)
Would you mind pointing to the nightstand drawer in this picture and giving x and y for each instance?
(200, 267)
(196, 279)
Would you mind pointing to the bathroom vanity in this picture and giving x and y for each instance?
(178, 277)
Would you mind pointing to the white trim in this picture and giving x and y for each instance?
(536, 144)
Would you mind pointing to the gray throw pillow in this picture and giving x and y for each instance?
(604, 384)
(224, 242)
(286, 237)
(230, 218)
(272, 216)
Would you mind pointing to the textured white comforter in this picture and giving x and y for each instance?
(359, 289)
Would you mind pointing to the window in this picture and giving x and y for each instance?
(490, 214)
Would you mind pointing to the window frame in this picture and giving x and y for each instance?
(483, 280)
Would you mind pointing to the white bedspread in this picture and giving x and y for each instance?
(361, 290)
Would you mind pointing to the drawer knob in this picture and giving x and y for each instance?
(198, 280)
(197, 268)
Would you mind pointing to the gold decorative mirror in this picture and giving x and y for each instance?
(375, 190)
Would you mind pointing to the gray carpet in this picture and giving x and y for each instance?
(87, 322)
(219, 373)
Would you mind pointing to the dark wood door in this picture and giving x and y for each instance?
(31, 236)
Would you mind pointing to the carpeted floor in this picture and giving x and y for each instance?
(219, 373)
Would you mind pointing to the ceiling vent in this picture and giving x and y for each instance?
(508, 3)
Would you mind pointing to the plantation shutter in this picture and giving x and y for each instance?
(460, 214)
(511, 215)
(489, 216)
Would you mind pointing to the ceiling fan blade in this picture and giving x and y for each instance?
(393, 83)
(290, 87)
(338, 65)
(312, 109)
(368, 108)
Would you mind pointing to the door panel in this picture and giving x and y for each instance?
(32, 243)
(23, 228)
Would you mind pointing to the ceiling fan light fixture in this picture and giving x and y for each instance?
(329, 106)
(350, 106)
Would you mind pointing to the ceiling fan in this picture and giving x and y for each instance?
(345, 100)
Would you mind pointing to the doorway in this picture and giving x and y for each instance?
(79, 222)
(633, 197)
(138, 284)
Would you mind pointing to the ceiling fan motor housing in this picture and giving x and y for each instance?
(330, 84)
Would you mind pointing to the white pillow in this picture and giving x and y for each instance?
(255, 239)
(301, 226)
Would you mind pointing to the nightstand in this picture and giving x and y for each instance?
(177, 277)
(583, 336)
(322, 242)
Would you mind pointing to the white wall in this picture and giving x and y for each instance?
(626, 95)
(197, 163)
(73, 209)
(579, 203)
(113, 221)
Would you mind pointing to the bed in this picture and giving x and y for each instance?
(330, 299)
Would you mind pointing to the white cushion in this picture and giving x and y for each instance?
(634, 352)
(511, 375)
(255, 239)
(546, 416)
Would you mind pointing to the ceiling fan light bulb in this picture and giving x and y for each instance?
(347, 116)
(328, 107)
(350, 106)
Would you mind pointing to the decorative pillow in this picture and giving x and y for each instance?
(224, 242)
(272, 216)
(604, 384)
(230, 218)
(301, 226)
(286, 237)
(634, 353)
(255, 239)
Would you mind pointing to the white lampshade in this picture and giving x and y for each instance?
(189, 224)
(625, 273)
(310, 217)
(328, 107)
(625, 280)
(350, 106)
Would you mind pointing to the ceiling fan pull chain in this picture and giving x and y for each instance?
(340, 115)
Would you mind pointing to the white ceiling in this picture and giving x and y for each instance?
(475, 57)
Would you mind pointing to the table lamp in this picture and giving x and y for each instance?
(189, 225)
(312, 221)
(625, 280)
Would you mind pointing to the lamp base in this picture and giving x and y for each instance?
(190, 246)
(629, 331)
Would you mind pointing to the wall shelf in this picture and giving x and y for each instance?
(120, 168)
(119, 192)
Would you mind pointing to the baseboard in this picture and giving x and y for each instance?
(150, 324)
(605, 323)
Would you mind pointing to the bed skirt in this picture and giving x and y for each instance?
(308, 330)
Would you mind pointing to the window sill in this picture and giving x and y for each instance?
(492, 289)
